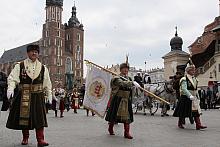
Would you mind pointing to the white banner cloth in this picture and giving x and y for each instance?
(98, 90)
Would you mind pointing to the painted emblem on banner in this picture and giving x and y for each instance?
(97, 89)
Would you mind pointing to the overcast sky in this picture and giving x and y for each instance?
(114, 28)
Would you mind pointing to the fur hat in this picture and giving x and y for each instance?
(124, 65)
(32, 47)
(189, 65)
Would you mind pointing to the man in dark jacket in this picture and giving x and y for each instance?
(209, 98)
(3, 91)
(138, 79)
(202, 95)
(215, 91)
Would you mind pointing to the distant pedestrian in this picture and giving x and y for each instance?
(67, 101)
(75, 100)
(209, 98)
(3, 92)
(58, 102)
(215, 92)
(202, 95)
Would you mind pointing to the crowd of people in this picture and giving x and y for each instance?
(30, 96)
(209, 97)
(63, 99)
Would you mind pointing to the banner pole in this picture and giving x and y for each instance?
(115, 74)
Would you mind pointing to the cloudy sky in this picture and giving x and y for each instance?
(114, 28)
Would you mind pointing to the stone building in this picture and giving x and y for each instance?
(206, 54)
(114, 68)
(156, 75)
(61, 47)
(176, 57)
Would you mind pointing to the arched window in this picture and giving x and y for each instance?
(69, 65)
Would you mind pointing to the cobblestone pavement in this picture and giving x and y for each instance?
(78, 130)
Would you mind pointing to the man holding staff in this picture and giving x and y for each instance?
(120, 110)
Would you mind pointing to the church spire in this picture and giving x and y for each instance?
(74, 10)
(176, 34)
(73, 21)
(176, 42)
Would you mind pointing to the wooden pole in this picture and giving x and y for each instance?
(115, 74)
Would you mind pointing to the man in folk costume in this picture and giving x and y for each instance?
(120, 110)
(58, 100)
(188, 105)
(74, 100)
(28, 110)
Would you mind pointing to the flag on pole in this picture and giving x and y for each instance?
(98, 90)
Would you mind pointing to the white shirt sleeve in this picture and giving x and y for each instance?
(47, 84)
(13, 78)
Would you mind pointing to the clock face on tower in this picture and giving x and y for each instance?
(54, 2)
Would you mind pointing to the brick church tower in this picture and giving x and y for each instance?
(62, 46)
(74, 39)
(53, 38)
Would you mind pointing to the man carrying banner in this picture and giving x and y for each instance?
(120, 110)
(28, 110)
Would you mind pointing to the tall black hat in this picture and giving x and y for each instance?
(124, 65)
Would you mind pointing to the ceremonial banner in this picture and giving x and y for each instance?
(98, 90)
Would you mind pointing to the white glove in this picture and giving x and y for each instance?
(50, 99)
(10, 93)
(136, 84)
(192, 98)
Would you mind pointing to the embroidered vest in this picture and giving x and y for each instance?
(25, 79)
(28, 86)
(190, 85)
